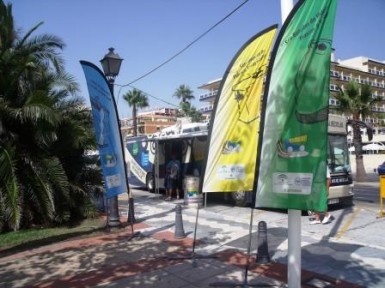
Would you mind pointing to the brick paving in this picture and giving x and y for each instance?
(157, 259)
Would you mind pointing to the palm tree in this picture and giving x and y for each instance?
(187, 110)
(184, 93)
(27, 174)
(35, 182)
(135, 99)
(74, 135)
(357, 100)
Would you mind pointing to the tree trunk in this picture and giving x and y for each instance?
(360, 169)
(357, 142)
(135, 124)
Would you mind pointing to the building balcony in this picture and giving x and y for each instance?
(206, 109)
(208, 96)
(376, 72)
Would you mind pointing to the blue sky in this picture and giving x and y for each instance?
(148, 32)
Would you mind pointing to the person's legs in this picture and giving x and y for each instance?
(327, 218)
(179, 185)
(168, 188)
(171, 190)
(317, 218)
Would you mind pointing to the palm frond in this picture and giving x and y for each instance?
(9, 187)
(35, 112)
(66, 82)
(7, 31)
(47, 189)
(44, 48)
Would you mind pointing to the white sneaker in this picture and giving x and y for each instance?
(315, 222)
(327, 219)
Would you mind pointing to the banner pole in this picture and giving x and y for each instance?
(286, 6)
(249, 246)
(294, 216)
(294, 252)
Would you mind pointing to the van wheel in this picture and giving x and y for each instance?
(150, 183)
(239, 198)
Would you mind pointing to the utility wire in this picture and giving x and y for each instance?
(146, 93)
(188, 46)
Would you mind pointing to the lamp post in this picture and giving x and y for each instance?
(111, 65)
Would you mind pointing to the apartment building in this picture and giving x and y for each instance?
(360, 69)
(208, 97)
(149, 121)
(363, 70)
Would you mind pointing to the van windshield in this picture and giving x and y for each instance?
(338, 154)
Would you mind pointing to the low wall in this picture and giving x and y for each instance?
(371, 162)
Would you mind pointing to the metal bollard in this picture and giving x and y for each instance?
(131, 212)
(263, 256)
(179, 230)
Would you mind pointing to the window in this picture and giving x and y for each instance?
(334, 102)
(338, 154)
(334, 87)
(334, 73)
(346, 78)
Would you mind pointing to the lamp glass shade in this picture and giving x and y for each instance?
(111, 63)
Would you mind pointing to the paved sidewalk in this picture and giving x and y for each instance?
(152, 257)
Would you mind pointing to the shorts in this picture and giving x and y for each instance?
(172, 183)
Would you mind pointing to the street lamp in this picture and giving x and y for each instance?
(111, 65)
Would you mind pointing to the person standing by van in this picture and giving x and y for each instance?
(173, 177)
